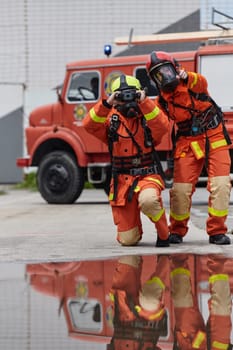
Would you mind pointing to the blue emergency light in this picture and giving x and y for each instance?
(107, 50)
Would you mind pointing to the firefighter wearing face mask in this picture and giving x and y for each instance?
(201, 140)
(132, 125)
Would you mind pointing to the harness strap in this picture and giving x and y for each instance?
(126, 165)
(112, 131)
(150, 143)
(132, 161)
(132, 188)
(198, 125)
(136, 171)
(192, 126)
(205, 97)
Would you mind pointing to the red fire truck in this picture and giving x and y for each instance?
(66, 155)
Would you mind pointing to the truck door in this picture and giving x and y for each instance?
(87, 308)
(82, 92)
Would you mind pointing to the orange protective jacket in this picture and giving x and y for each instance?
(197, 83)
(97, 122)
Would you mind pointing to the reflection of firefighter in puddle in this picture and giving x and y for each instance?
(139, 314)
(190, 329)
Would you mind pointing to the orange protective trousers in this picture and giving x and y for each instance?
(128, 216)
(187, 169)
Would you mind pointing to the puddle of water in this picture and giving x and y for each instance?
(155, 300)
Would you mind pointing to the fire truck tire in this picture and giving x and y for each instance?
(59, 179)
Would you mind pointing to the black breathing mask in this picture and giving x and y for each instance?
(130, 107)
(165, 77)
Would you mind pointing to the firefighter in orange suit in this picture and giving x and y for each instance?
(139, 310)
(132, 126)
(201, 139)
(190, 331)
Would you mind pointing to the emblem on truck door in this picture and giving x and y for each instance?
(80, 111)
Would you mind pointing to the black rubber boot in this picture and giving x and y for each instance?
(175, 238)
(162, 242)
(219, 239)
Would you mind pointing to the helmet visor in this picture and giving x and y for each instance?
(165, 76)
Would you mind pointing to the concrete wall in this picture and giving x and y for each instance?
(11, 146)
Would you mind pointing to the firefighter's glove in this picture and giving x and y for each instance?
(112, 101)
(142, 95)
(183, 74)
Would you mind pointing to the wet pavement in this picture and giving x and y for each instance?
(67, 284)
(32, 230)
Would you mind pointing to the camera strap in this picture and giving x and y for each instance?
(149, 139)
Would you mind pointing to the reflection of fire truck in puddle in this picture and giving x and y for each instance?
(82, 289)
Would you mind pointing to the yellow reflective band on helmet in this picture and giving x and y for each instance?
(180, 271)
(197, 150)
(218, 213)
(218, 277)
(131, 81)
(152, 114)
(218, 144)
(156, 280)
(96, 118)
(198, 340)
(179, 217)
(156, 218)
(194, 80)
(216, 344)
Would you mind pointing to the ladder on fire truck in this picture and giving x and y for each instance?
(205, 35)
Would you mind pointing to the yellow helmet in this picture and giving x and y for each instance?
(124, 82)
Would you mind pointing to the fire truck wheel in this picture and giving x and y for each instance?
(59, 179)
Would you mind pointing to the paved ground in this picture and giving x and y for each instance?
(32, 231)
